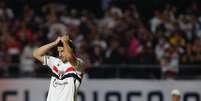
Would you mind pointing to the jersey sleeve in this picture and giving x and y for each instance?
(49, 61)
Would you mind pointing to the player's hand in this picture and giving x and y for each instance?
(65, 38)
(57, 40)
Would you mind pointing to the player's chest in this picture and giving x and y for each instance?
(62, 67)
(62, 70)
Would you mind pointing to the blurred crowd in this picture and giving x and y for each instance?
(121, 36)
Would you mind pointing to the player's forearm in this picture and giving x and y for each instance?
(41, 51)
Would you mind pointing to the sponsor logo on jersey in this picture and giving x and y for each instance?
(56, 83)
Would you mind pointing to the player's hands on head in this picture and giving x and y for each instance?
(65, 38)
(58, 39)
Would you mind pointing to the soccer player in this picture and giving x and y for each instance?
(67, 69)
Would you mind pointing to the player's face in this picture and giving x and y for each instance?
(175, 98)
(61, 54)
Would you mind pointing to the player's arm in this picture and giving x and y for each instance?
(69, 54)
(41, 51)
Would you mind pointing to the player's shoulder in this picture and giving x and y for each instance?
(52, 58)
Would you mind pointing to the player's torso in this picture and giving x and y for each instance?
(64, 73)
(64, 82)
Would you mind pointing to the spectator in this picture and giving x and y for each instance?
(134, 50)
(24, 34)
(155, 21)
(54, 25)
(6, 13)
(83, 53)
(196, 51)
(115, 54)
(110, 20)
(97, 55)
(13, 49)
(168, 58)
(186, 25)
(187, 57)
(160, 49)
(170, 63)
(71, 21)
(27, 61)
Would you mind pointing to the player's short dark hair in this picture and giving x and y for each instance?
(70, 43)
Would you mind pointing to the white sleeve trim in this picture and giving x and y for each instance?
(45, 60)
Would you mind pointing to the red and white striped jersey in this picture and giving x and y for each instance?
(65, 79)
